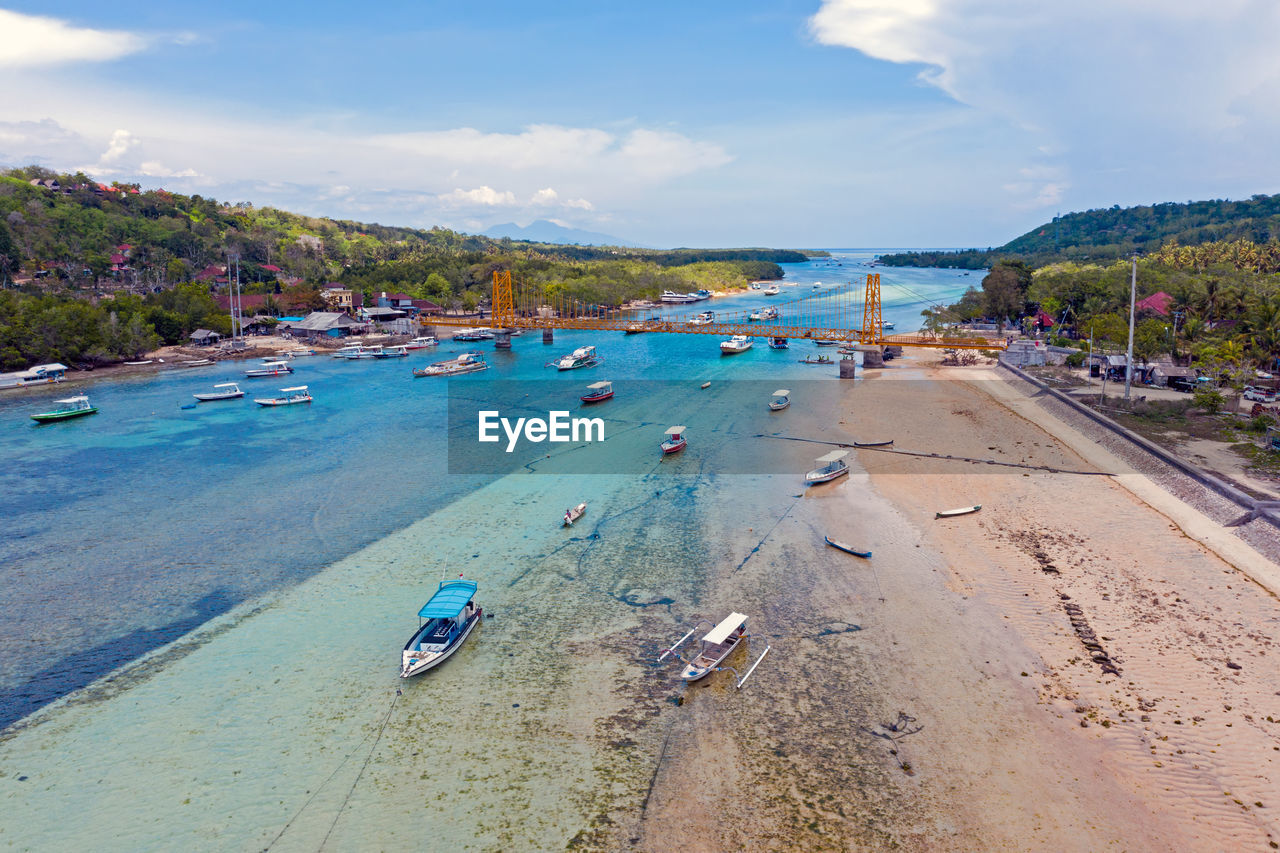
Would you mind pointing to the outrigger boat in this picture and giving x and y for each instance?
(423, 342)
(832, 466)
(231, 391)
(848, 549)
(581, 357)
(468, 362)
(675, 441)
(597, 391)
(449, 617)
(71, 407)
(270, 368)
(575, 513)
(391, 352)
(292, 396)
(772, 290)
(822, 359)
(717, 644)
(952, 513)
(778, 343)
(735, 345)
(474, 335)
(781, 399)
(348, 351)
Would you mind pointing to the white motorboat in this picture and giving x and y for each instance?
(448, 619)
(772, 290)
(778, 343)
(886, 325)
(468, 362)
(348, 351)
(780, 400)
(669, 296)
(675, 440)
(291, 397)
(368, 351)
(717, 644)
(830, 466)
(574, 513)
(423, 342)
(703, 319)
(391, 352)
(269, 368)
(230, 391)
(735, 345)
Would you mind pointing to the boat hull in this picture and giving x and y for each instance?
(813, 478)
(669, 447)
(423, 661)
(778, 407)
(693, 672)
(51, 417)
(595, 398)
(848, 549)
(952, 513)
(209, 398)
(278, 402)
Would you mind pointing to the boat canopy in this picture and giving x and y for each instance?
(721, 632)
(675, 430)
(298, 388)
(80, 399)
(833, 456)
(782, 392)
(449, 600)
(227, 385)
(266, 364)
(598, 386)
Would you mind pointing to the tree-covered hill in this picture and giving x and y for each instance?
(1106, 233)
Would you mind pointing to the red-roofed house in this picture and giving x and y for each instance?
(1043, 319)
(426, 306)
(211, 273)
(271, 268)
(1156, 303)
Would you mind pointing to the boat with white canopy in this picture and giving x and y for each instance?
(448, 619)
(735, 345)
(269, 368)
(675, 441)
(716, 645)
(597, 391)
(71, 407)
(222, 391)
(830, 466)
(289, 397)
(780, 400)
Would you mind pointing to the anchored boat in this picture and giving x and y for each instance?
(780, 400)
(468, 362)
(735, 345)
(672, 297)
(269, 368)
(392, 352)
(581, 357)
(675, 441)
(716, 645)
(778, 343)
(597, 391)
(292, 396)
(574, 513)
(772, 290)
(422, 343)
(71, 407)
(830, 466)
(848, 549)
(230, 391)
(705, 318)
(448, 619)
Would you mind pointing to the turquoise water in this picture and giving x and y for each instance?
(134, 527)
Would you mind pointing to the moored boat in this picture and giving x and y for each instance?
(391, 352)
(581, 357)
(269, 368)
(71, 407)
(674, 441)
(952, 513)
(716, 645)
(422, 342)
(230, 391)
(735, 345)
(705, 318)
(826, 343)
(468, 362)
(830, 466)
(367, 351)
(772, 290)
(474, 335)
(780, 400)
(597, 391)
(292, 396)
(574, 513)
(448, 619)
(886, 325)
(672, 297)
(778, 343)
(348, 351)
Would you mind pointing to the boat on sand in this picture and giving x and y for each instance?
(780, 400)
(716, 645)
(830, 466)
(848, 549)
(675, 441)
(448, 619)
(952, 513)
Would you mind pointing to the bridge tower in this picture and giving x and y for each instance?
(872, 320)
(504, 309)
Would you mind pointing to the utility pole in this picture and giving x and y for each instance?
(1133, 297)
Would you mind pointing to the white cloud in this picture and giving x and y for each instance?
(546, 196)
(121, 142)
(486, 196)
(155, 169)
(32, 41)
(579, 204)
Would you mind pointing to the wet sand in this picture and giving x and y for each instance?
(935, 696)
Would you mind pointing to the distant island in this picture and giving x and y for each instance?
(545, 231)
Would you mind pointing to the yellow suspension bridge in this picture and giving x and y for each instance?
(830, 313)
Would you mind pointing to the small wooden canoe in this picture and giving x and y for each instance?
(952, 513)
(873, 443)
(848, 549)
(706, 385)
(572, 515)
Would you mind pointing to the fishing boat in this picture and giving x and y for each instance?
(269, 368)
(230, 391)
(581, 357)
(755, 285)
(348, 351)
(638, 327)
(772, 290)
(822, 359)
(780, 400)
(71, 407)
(672, 297)
(873, 443)
(848, 549)
(368, 351)
(735, 345)
(199, 362)
(574, 513)
(392, 352)
(830, 466)
(778, 343)
(886, 325)
(448, 618)
(136, 363)
(952, 513)
(296, 353)
(674, 441)
(704, 319)
(468, 362)
(292, 396)
(826, 343)
(716, 645)
(474, 335)
(597, 391)
(705, 385)
(423, 342)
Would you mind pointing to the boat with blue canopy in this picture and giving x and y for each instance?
(447, 620)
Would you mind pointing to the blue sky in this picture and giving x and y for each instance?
(821, 123)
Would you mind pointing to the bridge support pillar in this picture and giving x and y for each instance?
(848, 368)
(502, 339)
(548, 336)
(872, 355)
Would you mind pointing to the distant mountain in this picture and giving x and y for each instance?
(543, 231)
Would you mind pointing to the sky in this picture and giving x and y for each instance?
(878, 123)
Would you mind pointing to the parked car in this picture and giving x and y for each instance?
(1259, 394)
(1182, 383)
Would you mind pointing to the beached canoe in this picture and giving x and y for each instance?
(848, 549)
(952, 513)
(873, 443)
